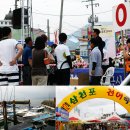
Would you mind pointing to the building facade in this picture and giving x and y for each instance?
(7, 23)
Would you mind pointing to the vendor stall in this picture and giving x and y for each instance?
(116, 80)
(62, 118)
(80, 76)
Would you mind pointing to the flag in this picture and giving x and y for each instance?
(79, 112)
(56, 37)
(85, 115)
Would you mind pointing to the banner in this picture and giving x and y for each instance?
(87, 93)
(107, 34)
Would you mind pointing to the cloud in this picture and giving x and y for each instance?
(28, 92)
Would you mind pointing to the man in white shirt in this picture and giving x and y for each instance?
(9, 73)
(63, 60)
(95, 69)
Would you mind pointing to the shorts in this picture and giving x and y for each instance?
(10, 79)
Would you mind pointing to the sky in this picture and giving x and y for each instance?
(74, 13)
(94, 107)
(36, 94)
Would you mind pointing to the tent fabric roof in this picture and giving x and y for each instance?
(114, 118)
(73, 119)
(94, 120)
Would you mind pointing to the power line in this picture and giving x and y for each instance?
(73, 15)
(59, 15)
(104, 12)
(67, 29)
(71, 25)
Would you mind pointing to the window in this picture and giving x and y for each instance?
(83, 53)
(1, 22)
(5, 22)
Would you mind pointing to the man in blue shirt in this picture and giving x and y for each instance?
(95, 69)
(26, 60)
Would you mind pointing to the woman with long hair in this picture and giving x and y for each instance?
(39, 70)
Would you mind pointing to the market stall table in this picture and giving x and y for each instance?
(80, 76)
(83, 73)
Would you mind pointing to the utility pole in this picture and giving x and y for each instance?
(5, 116)
(92, 14)
(14, 111)
(16, 5)
(22, 22)
(114, 105)
(48, 30)
(92, 19)
(29, 104)
(61, 16)
(26, 18)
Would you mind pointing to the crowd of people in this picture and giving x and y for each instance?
(35, 70)
(38, 70)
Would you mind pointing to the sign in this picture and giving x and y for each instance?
(120, 16)
(89, 31)
(107, 34)
(105, 30)
(64, 113)
(87, 93)
(84, 31)
(123, 21)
